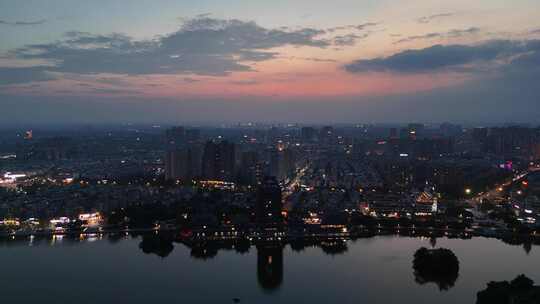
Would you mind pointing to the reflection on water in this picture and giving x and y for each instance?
(520, 290)
(334, 247)
(433, 241)
(204, 251)
(270, 266)
(269, 254)
(159, 244)
(363, 269)
(525, 241)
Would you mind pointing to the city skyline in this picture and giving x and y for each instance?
(250, 151)
(306, 61)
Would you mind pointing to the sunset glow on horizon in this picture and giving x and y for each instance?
(286, 51)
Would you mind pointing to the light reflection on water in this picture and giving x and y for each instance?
(133, 269)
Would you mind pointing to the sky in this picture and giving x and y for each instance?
(307, 61)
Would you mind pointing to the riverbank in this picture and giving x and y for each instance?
(206, 235)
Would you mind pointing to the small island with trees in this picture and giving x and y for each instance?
(440, 266)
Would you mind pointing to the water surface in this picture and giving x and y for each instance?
(371, 270)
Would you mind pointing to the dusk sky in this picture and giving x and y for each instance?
(311, 61)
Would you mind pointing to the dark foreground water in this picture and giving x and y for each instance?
(373, 270)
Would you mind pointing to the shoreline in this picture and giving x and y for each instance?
(215, 235)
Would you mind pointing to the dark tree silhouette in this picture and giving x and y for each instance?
(334, 248)
(242, 246)
(520, 290)
(433, 241)
(440, 266)
(156, 244)
(204, 251)
(521, 282)
(297, 245)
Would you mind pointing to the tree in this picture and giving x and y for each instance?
(440, 266)
(520, 290)
(521, 282)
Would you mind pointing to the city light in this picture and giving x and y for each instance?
(90, 219)
(206, 152)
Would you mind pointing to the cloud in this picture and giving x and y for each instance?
(22, 23)
(153, 85)
(454, 33)
(202, 46)
(428, 19)
(459, 33)
(350, 39)
(236, 35)
(365, 25)
(418, 37)
(114, 91)
(117, 81)
(510, 53)
(190, 80)
(347, 40)
(11, 75)
(358, 27)
(315, 59)
(244, 82)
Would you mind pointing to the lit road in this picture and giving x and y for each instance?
(497, 191)
(291, 186)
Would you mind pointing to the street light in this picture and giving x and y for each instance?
(468, 191)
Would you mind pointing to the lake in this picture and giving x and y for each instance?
(367, 270)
